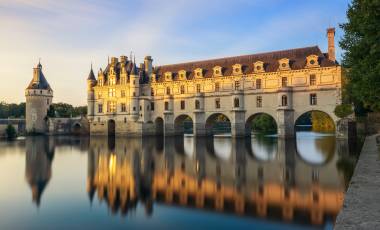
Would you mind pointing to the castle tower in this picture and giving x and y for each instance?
(134, 92)
(39, 97)
(91, 82)
(331, 43)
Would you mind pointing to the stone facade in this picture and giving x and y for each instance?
(128, 100)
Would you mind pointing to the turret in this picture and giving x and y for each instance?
(134, 90)
(39, 96)
(91, 82)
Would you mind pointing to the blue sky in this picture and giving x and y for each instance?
(70, 34)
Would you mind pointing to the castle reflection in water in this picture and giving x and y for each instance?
(261, 177)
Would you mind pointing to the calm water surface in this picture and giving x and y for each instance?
(186, 183)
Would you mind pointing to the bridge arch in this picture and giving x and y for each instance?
(183, 124)
(159, 126)
(76, 128)
(268, 123)
(315, 120)
(111, 125)
(218, 123)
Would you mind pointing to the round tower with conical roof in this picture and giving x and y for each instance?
(39, 97)
(91, 82)
(134, 91)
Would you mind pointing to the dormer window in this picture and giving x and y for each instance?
(237, 69)
(284, 64)
(198, 73)
(168, 76)
(312, 61)
(182, 74)
(217, 71)
(258, 67)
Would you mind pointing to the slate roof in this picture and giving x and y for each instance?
(42, 84)
(297, 60)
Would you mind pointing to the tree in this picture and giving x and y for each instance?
(343, 110)
(264, 123)
(10, 132)
(361, 43)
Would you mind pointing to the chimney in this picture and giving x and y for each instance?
(148, 64)
(331, 43)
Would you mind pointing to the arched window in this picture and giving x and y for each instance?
(284, 100)
(197, 104)
(166, 105)
(236, 102)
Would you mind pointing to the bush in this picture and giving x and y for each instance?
(343, 110)
(11, 132)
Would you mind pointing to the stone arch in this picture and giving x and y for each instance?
(218, 123)
(76, 128)
(159, 126)
(249, 123)
(183, 124)
(111, 125)
(324, 121)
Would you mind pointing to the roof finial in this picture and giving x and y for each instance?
(130, 55)
(91, 65)
(39, 60)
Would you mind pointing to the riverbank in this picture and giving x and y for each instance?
(361, 207)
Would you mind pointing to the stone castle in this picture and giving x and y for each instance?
(126, 99)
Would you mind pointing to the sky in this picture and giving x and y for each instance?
(69, 35)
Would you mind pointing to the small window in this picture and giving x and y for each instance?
(258, 83)
(313, 79)
(47, 101)
(237, 85)
(284, 82)
(313, 99)
(140, 107)
(125, 120)
(197, 104)
(123, 107)
(167, 90)
(217, 103)
(123, 93)
(217, 87)
(134, 108)
(259, 101)
(198, 88)
(151, 91)
(134, 94)
(166, 105)
(182, 89)
(182, 105)
(284, 100)
(100, 108)
(236, 103)
(152, 106)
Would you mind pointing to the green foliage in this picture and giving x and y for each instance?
(66, 110)
(362, 53)
(321, 122)
(10, 132)
(12, 110)
(264, 123)
(343, 110)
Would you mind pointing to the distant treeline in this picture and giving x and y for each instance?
(56, 110)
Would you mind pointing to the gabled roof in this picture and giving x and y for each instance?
(297, 59)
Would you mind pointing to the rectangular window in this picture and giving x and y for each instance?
(237, 85)
(152, 106)
(166, 105)
(100, 108)
(198, 88)
(313, 79)
(259, 101)
(111, 92)
(111, 107)
(197, 104)
(123, 93)
(284, 82)
(217, 103)
(217, 87)
(123, 107)
(167, 91)
(152, 92)
(182, 105)
(236, 103)
(258, 83)
(313, 99)
(182, 89)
